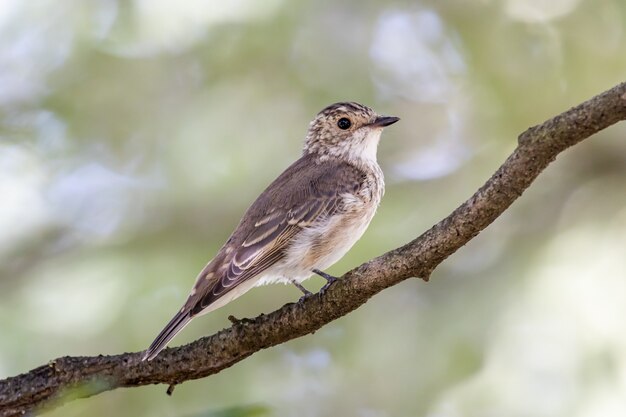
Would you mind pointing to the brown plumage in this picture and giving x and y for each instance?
(305, 220)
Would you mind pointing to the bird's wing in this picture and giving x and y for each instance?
(266, 244)
(299, 198)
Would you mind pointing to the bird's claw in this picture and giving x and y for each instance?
(327, 286)
(329, 280)
(304, 297)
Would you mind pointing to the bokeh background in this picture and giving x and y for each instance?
(133, 135)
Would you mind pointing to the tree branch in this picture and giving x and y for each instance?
(74, 377)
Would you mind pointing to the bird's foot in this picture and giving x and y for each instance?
(329, 279)
(306, 292)
(304, 297)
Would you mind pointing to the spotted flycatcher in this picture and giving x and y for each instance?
(304, 222)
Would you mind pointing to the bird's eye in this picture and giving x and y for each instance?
(344, 123)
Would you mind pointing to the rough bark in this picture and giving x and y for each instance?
(67, 378)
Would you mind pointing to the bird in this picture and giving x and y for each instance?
(303, 222)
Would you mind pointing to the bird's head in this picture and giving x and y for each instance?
(346, 130)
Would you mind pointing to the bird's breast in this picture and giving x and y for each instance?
(323, 244)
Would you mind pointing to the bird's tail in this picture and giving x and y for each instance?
(178, 322)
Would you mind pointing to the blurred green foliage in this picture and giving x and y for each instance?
(133, 135)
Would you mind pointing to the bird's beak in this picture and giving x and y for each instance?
(383, 121)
